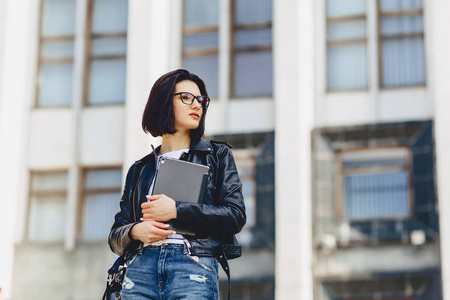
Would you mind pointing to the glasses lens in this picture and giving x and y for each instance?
(187, 98)
(203, 100)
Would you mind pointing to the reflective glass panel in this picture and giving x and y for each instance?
(340, 8)
(59, 49)
(110, 16)
(58, 17)
(259, 37)
(109, 46)
(346, 30)
(207, 67)
(201, 41)
(253, 74)
(403, 62)
(253, 11)
(55, 85)
(107, 82)
(98, 214)
(198, 13)
(389, 5)
(47, 218)
(347, 67)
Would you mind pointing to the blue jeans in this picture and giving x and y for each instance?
(169, 272)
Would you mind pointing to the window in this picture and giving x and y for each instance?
(246, 166)
(201, 41)
(376, 183)
(101, 194)
(252, 48)
(57, 34)
(47, 215)
(347, 45)
(249, 49)
(108, 47)
(106, 53)
(402, 60)
(399, 37)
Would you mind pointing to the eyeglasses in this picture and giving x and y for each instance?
(187, 98)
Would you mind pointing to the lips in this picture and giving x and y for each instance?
(195, 115)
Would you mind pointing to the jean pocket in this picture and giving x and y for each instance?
(205, 262)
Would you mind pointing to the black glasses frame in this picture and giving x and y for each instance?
(202, 100)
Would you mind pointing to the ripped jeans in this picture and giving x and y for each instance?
(169, 272)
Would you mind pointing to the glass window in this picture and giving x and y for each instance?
(47, 215)
(201, 41)
(246, 166)
(101, 194)
(376, 184)
(56, 53)
(402, 43)
(252, 73)
(108, 48)
(346, 45)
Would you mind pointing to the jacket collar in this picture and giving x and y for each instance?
(200, 145)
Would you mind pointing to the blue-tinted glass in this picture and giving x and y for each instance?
(200, 13)
(109, 46)
(389, 5)
(253, 74)
(107, 82)
(401, 25)
(58, 17)
(201, 41)
(60, 49)
(403, 62)
(110, 16)
(103, 179)
(347, 67)
(258, 37)
(346, 30)
(380, 195)
(55, 85)
(340, 8)
(98, 215)
(47, 218)
(253, 11)
(207, 67)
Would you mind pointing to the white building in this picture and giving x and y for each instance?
(335, 108)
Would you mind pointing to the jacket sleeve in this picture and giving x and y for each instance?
(228, 216)
(119, 239)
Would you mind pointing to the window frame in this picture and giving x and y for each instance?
(340, 175)
(54, 61)
(30, 202)
(83, 192)
(380, 39)
(89, 58)
(234, 50)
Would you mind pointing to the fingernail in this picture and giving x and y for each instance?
(141, 219)
(167, 225)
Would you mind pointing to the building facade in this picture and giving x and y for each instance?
(336, 110)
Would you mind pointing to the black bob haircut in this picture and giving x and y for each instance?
(158, 117)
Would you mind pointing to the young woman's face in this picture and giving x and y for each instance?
(187, 117)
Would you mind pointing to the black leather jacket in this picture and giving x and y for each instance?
(219, 216)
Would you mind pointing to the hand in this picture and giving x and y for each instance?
(150, 231)
(160, 208)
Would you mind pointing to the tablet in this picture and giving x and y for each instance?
(181, 180)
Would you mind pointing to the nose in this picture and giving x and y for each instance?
(196, 104)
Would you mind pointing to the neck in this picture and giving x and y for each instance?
(176, 141)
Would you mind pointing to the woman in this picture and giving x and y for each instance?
(165, 264)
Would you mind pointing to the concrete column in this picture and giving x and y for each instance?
(294, 102)
(439, 78)
(15, 94)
